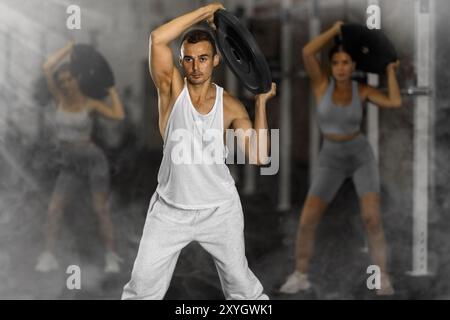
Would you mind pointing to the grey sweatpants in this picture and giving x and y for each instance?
(168, 229)
(341, 160)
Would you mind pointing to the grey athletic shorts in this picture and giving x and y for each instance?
(340, 160)
(80, 164)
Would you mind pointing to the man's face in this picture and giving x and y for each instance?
(198, 61)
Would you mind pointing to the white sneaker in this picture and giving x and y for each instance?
(46, 262)
(386, 286)
(112, 262)
(296, 282)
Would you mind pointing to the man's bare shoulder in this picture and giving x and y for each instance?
(231, 103)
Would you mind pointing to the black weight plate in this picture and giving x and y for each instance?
(93, 70)
(241, 53)
(370, 48)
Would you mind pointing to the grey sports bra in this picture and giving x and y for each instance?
(73, 126)
(334, 119)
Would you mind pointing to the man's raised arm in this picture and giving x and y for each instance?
(160, 55)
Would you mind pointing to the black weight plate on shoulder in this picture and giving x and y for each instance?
(241, 53)
(94, 72)
(370, 48)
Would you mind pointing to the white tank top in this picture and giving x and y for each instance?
(193, 174)
(73, 126)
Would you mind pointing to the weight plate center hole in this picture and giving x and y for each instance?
(236, 55)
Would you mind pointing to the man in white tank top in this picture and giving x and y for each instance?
(196, 198)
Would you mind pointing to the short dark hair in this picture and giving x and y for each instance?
(198, 35)
(339, 47)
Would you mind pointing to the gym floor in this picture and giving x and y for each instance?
(338, 268)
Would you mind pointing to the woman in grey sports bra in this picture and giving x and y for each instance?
(345, 153)
(80, 157)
